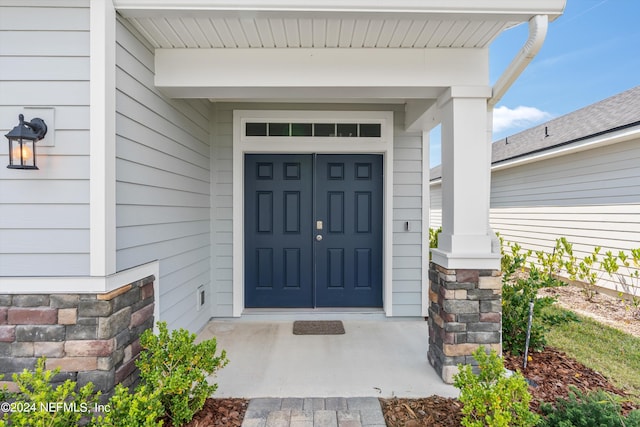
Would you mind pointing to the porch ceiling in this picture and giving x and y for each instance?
(329, 23)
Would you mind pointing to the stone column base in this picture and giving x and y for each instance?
(465, 312)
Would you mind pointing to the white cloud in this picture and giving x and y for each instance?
(505, 118)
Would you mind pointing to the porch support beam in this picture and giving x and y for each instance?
(317, 73)
(466, 239)
(421, 115)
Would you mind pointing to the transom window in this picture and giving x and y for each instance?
(340, 130)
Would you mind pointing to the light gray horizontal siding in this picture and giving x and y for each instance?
(222, 210)
(435, 201)
(407, 205)
(590, 197)
(44, 214)
(162, 183)
(602, 176)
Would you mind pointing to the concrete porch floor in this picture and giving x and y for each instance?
(381, 358)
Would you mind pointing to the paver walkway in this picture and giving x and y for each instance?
(314, 412)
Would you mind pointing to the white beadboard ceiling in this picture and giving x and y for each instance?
(329, 23)
(315, 32)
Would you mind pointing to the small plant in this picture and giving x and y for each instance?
(492, 398)
(142, 409)
(178, 368)
(552, 264)
(588, 273)
(42, 404)
(433, 238)
(596, 408)
(630, 282)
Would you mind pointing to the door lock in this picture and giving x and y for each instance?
(319, 237)
(319, 225)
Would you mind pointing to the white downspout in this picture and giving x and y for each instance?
(537, 33)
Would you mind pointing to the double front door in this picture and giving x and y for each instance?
(313, 230)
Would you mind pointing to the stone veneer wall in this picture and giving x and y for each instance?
(90, 337)
(465, 312)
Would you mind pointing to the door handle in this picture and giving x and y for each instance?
(319, 237)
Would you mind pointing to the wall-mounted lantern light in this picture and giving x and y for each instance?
(22, 143)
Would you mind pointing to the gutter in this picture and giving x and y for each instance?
(537, 33)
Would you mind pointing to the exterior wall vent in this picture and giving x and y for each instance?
(201, 295)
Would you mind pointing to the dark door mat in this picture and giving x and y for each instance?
(318, 327)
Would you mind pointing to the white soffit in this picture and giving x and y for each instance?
(329, 23)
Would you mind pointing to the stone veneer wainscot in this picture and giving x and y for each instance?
(90, 337)
(465, 312)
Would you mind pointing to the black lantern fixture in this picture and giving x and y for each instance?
(22, 143)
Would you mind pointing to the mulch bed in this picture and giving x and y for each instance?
(219, 413)
(552, 370)
(432, 411)
(554, 373)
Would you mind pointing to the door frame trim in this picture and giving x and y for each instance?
(307, 145)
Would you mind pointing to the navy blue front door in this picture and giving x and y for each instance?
(313, 230)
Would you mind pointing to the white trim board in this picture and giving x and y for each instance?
(102, 121)
(85, 284)
(426, 219)
(77, 284)
(334, 145)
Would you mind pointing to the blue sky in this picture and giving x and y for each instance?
(590, 53)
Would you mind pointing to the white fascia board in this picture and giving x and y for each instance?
(414, 73)
(510, 8)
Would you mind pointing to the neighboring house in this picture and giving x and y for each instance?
(212, 158)
(576, 176)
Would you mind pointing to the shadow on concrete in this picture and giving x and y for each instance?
(381, 358)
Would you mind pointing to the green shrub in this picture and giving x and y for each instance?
(587, 410)
(172, 367)
(178, 368)
(512, 261)
(42, 404)
(491, 398)
(433, 236)
(519, 290)
(516, 297)
(142, 409)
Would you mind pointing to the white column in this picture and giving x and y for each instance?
(102, 114)
(466, 238)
